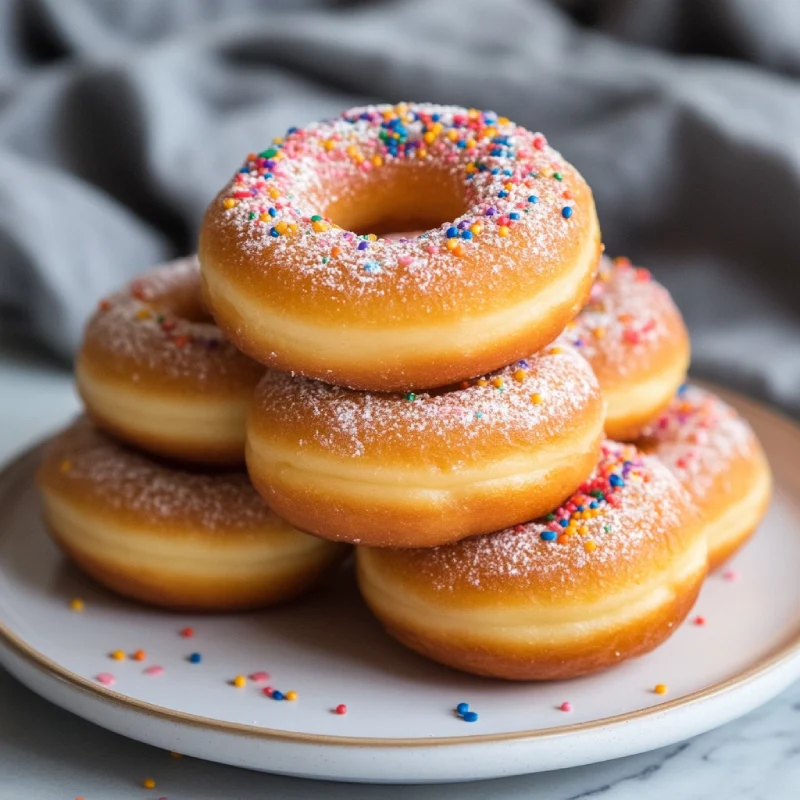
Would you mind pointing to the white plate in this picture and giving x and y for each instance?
(400, 725)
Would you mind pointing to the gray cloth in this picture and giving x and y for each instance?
(120, 120)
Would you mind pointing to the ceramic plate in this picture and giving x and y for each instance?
(400, 724)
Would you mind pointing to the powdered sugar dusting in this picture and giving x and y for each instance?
(513, 184)
(527, 402)
(119, 478)
(698, 437)
(629, 501)
(626, 314)
(142, 329)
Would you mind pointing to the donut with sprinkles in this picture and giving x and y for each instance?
(301, 276)
(417, 469)
(633, 335)
(194, 539)
(155, 371)
(717, 457)
(607, 575)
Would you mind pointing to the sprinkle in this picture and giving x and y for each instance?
(267, 690)
(149, 783)
(410, 396)
(76, 604)
(520, 375)
(195, 658)
(537, 399)
(259, 677)
(117, 655)
(291, 696)
(558, 176)
(462, 708)
(106, 678)
(661, 688)
(341, 709)
(239, 681)
(566, 212)
(139, 655)
(154, 671)
(175, 755)
(731, 575)
(565, 706)
(590, 546)
(187, 633)
(276, 695)
(470, 716)
(548, 536)
(699, 620)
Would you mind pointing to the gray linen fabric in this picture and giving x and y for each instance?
(119, 120)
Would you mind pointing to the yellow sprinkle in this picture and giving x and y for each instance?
(555, 351)
(377, 161)
(536, 399)
(143, 313)
(476, 229)
(508, 186)
(329, 144)
(292, 227)
(118, 655)
(292, 695)
(239, 681)
(278, 140)
(490, 133)
(503, 120)
(65, 466)
(590, 546)
(282, 226)
(452, 134)
(452, 244)
(372, 237)
(358, 158)
(76, 604)
(149, 783)
(471, 168)
(661, 688)
(503, 230)
(520, 375)
(229, 202)
(473, 113)
(599, 333)
(437, 127)
(483, 382)
(274, 193)
(265, 217)
(422, 152)
(319, 226)
(173, 754)
(429, 137)
(498, 382)
(583, 530)
(471, 143)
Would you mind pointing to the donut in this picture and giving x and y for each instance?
(633, 335)
(716, 456)
(155, 371)
(299, 275)
(607, 576)
(174, 538)
(417, 470)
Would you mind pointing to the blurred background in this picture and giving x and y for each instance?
(120, 120)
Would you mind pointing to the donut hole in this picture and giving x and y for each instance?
(400, 199)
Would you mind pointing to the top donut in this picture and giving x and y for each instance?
(299, 275)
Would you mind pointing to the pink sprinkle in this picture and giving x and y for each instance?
(154, 670)
(106, 678)
(430, 249)
(565, 706)
(259, 677)
(404, 261)
(731, 575)
(699, 620)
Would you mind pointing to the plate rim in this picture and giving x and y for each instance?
(42, 663)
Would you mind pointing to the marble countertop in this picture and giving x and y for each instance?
(49, 754)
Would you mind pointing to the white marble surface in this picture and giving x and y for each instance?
(48, 754)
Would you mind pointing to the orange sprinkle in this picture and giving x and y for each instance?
(564, 538)
(536, 399)
(520, 375)
(149, 783)
(555, 351)
(459, 250)
(661, 688)
(498, 382)
(335, 251)
(182, 341)
(76, 604)
(451, 244)
(625, 318)
(599, 333)
(482, 382)
(139, 655)
(377, 161)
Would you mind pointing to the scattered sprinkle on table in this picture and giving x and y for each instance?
(731, 575)
(173, 754)
(462, 708)
(187, 633)
(661, 688)
(259, 677)
(291, 696)
(470, 716)
(240, 681)
(699, 620)
(154, 670)
(139, 655)
(149, 783)
(565, 706)
(118, 655)
(195, 658)
(276, 695)
(341, 709)
(76, 604)
(106, 679)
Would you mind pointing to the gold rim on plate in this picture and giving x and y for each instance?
(34, 658)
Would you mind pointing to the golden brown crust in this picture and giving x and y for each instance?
(522, 604)
(282, 296)
(176, 538)
(420, 470)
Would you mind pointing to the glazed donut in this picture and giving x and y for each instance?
(606, 577)
(296, 276)
(176, 539)
(417, 470)
(633, 335)
(717, 457)
(156, 372)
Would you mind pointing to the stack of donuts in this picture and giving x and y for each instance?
(403, 322)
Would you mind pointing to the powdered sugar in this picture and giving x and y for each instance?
(527, 402)
(697, 437)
